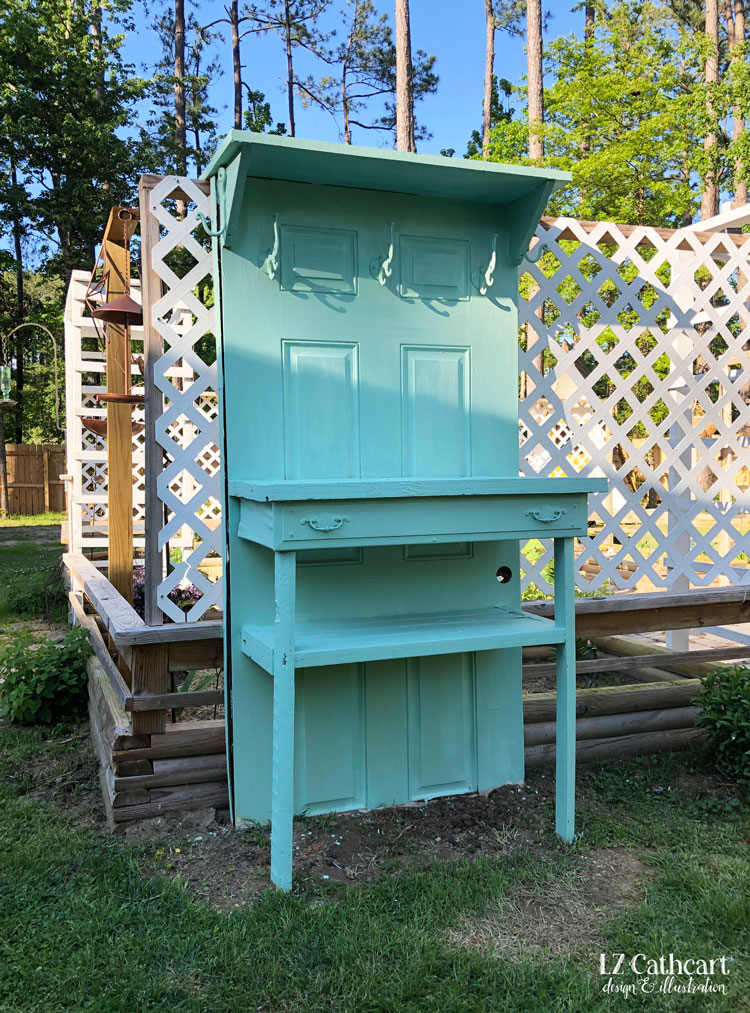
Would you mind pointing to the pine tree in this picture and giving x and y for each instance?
(710, 199)
(182, 130)
(362, 88)
(296, 22)
(535, 79)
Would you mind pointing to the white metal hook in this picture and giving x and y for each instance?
(271, 263)
(489, 274)
(386, 268)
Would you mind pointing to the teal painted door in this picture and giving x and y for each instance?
(342, 377)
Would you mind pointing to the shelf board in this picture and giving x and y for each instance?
(408, 488)
(340, 641)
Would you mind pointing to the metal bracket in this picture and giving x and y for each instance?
(485, 280)
(271, 263)
(325, 522)
(532, 256)
(538, 515)
(384, 268)
(221, 194)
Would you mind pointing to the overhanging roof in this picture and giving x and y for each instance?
(272, 157)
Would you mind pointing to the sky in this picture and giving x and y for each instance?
(454, 30)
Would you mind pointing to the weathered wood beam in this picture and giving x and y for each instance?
(665, 659)
(647, 613)
(605, 726)
(120, 687)
(150, 672)
(614, 699)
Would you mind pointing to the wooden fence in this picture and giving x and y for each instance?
(34, 484)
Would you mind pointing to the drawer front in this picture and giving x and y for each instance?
(431, 520)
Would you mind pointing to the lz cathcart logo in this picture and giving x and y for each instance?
(631, 975)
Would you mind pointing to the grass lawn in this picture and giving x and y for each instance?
(462, 913)
(88, 921)
(29, 554)
(31, 520)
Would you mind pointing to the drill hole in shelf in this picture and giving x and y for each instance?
(504, 574)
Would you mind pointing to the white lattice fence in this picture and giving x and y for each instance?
(634, 365)
(188, 491)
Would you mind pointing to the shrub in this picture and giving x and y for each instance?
(46, 681)
(724, 699)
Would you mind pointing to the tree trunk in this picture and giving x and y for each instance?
(535, 78)
(345, 107)
(489, 70)
(180, 133)
(404, 80)
(736, 32)
(234, 19)
(710, 198)
(289, 67)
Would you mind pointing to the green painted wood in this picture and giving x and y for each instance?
(340, 641)
(282, 783)
(396, 521)
(368, 370)
(565, 747)
(335, 165)
(410, 487)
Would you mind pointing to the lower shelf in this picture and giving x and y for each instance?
(341, 641)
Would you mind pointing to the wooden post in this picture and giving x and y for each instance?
(45, 455)
(119, 422)
(282, 776)
(565, 747)
(149, 669)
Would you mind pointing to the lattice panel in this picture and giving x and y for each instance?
(86, 452)
(634, 365)
(187, 428)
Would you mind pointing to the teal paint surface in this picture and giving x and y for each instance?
(369, 393)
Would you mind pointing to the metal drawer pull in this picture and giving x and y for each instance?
(325, 522)
(538, 515)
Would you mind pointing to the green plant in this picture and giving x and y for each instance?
(724, 699)
(43, 681)
(26, 595)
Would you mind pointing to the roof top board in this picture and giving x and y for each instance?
(272, 157)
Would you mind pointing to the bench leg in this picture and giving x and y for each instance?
(565, 746)
(282, 777)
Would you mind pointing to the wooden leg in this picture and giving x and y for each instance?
(282, 776)
(565, 748)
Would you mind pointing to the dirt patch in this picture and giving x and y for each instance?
(228, 867)
(563, 917)
(36, 534)
(66, 776)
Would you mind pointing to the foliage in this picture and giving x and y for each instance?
(25, 595)
(201, 70)
(43, 682)
(724, 699)
(297, 24)
(258, 115)
(499, 113)
(65, 97)
(626, 113)
(365, 74)
(184, 595)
